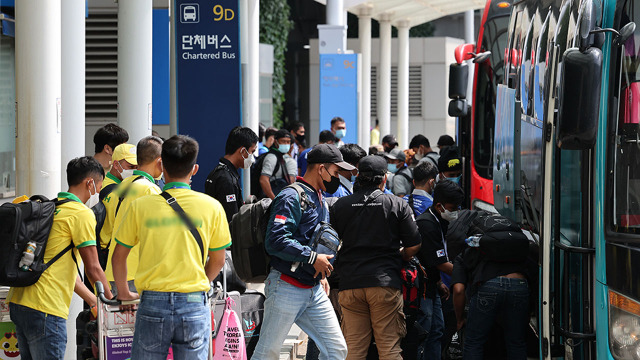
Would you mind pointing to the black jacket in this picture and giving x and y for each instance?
(223, 184)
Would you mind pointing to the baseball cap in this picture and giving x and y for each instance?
(389, 139)
(126, 152)
(450, 159)
(446, 140)
(372, 165)
(328, 154)
(395, 154)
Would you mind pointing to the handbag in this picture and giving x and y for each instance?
(229, 343)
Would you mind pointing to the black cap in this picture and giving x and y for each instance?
(446, 140)
(328, 154)
(389, 139)
(372, 165)
(450, 159)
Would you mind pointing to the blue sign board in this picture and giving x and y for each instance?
(339, 92)
(207, 76)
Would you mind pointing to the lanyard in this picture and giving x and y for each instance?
(441, 233)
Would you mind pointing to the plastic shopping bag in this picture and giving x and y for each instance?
(230, 339)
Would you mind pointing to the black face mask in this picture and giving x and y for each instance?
(301, 140)
(331, 186)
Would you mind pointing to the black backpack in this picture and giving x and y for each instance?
(276, 184)
(248, 232)
(20, 224)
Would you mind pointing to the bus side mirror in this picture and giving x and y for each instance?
(579, 96)
(458, 78)
(458, 108)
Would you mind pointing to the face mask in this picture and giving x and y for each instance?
(340, 133)
(455, 179)
(392, 168)
(331, 186)
(94, 198)
(450, 216)
(126, 173)
(300, 139)
(159, 177)
(284, 148)
(248, 161)
(418, 156)
(353, 178)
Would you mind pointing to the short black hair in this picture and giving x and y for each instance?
(367, 182)
(282, 133)
(373, 150)
(240, 137)
(261, 129)
(335, 120)
(352, 153)
(179, 154)
(419, 140)
(148, 149)
(295, 126)
(326, 136)
(448, 192)
(424, 172)
(80, 168)
(110, 134)
(271, 131)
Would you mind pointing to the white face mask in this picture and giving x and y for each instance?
(248, 161)
(450, 216)
(418, 156)
(126, 173)
(94, 199)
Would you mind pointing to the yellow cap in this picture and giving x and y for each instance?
(125, 152)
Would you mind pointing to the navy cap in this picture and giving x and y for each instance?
(328, 154)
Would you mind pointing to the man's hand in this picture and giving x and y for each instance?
(323, 266)
(325, 286)
(127, 295)
(444, 291)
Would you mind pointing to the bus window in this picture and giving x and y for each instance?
(490, 74)
(626, 207)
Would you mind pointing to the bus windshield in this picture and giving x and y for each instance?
(490, 74)
(626, 206)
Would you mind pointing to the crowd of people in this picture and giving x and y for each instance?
(164, 243)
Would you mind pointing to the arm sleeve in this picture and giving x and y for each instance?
(283, 222)
(409, 234)
(459, 271)
(292, 167)
(432, 252)
(401, 185)
(127, 233)
(225, 193)
(269, 165)
(83, 231)
(220, 238)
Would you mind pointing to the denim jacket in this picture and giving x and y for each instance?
(290, 232)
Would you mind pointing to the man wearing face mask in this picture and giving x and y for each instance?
(422, 149)
(299, 139)
(433, 225)
(223, 182)
(272, 168)
(339, 129)
(424, 179)
(352, 153)
(124, 162)
(296, 287)
(39, 311)
(401, 177)
(133, 187)
(450, 165)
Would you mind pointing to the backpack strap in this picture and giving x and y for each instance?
(106, 191)
(305, 203)
(65, 250)
(178, 209)
(125, 192)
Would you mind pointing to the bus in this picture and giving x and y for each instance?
(476, 127)
(566, 166)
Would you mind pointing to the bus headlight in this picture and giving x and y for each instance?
(624, 327)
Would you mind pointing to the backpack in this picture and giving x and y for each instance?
(276, 184)
(248, 229)
(28, 221)
(414, 279)
(408, 176)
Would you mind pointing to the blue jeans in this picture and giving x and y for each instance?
(165, 319)
(499, 299)
(432, 321)
(310, 309)
(40, 336)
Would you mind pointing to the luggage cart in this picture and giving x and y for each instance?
(8, 339)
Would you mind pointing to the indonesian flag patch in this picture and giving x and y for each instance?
(281, 219)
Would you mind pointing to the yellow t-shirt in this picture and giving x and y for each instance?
(72, 222)
(110, 179)
(137, 189)
(110, 202)
(170, 258)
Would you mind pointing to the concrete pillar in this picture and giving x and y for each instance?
(135, 56)
(38, 97)
(364, 34)
(73, 82)
(403, 84)
(335, 12)
(469, 37)
(384, 84)
(250, 35)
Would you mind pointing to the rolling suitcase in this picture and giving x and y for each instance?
(252, 303)
(8, 338)
(217, 300)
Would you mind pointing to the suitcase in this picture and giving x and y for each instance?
(217, 300)
(8, 339)
(252, 303)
